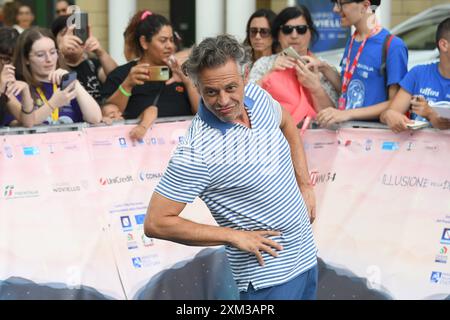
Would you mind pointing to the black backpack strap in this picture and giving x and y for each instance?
(386, 44)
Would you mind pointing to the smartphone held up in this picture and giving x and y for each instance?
(290, 52)
(159, 73)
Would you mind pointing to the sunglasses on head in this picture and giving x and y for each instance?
(263, 32)
(301, 29)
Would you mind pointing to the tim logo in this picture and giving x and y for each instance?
(9, 192)
(316, 177)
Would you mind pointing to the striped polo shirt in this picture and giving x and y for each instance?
(246, 178)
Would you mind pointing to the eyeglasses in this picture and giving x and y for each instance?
(340, 4)
(5, 59)
(263, 32)
(301, 29)
(42, 55)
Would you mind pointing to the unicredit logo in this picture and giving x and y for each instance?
(115, 180)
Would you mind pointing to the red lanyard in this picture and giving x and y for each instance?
(348, 75)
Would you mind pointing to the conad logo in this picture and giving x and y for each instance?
(115, 180)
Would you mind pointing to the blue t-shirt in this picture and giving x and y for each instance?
(368, 85)
(426, 80)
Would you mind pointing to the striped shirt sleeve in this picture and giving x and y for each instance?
(186, 177)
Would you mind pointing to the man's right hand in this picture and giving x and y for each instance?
(138, 76)
(255, 242)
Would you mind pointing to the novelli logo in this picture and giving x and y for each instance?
(9, 191)
(116, 180)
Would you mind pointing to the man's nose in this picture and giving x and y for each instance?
(224, 98)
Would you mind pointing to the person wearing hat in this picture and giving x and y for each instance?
(367, 80)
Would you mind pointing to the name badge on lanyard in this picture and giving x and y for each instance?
(55, 113)
(349, 71)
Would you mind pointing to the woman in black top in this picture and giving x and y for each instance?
(129, 86)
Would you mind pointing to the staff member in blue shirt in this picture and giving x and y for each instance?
(365, 88)
(423, 86)
(243, 156)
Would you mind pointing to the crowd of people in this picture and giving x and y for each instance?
(374, 83)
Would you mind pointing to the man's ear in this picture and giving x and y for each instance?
(443, 45)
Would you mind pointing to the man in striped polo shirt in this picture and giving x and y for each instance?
(243, 156)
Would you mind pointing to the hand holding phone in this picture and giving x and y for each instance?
(67, 79)
(82, 29)
(290, 52)
(159, 73)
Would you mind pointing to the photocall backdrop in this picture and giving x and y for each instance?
(72, 208)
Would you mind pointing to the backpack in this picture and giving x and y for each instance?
(386, 44)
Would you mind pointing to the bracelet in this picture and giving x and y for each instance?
(26, 112)
(124, 92)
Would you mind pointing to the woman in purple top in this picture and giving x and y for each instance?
(36, 63)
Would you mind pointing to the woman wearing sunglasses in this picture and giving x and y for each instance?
(300, 90)
(366, 85)
(259, 34)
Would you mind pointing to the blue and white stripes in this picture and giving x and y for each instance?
(246, 178)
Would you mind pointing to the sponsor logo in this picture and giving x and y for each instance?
(8, 152)
(137, 263)
(66, 188)
(440, 278)
(368, 145)
(131, 243)
(435, 277)
(441, 259)
(30, 151)
(140, 219)
(115, 180)
(126, 223)
(123, 143)
(390, 146)
(444, 250)
(154, 141)
(409, 146)
(316, 177)
(321, 145)
(445, 239)
(149, 176)
(102, 143)
(147, 242)
(10, 193)
(146, 261)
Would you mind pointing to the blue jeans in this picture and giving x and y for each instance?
(304, 287)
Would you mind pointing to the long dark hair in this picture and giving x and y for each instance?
(291, 13)
(147, 27)
(261, 13)
(22, 53)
